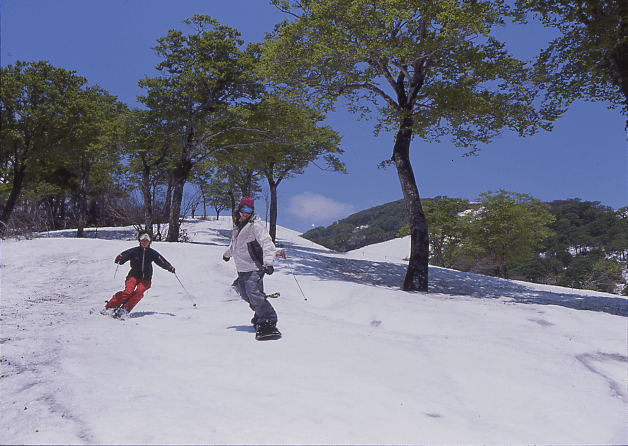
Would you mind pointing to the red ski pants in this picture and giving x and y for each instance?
(133, 292)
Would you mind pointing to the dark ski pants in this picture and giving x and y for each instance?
(251, 289)
(133, 292)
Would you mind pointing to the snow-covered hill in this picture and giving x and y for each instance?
(475, 360)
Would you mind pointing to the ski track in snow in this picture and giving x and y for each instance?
(475, 360)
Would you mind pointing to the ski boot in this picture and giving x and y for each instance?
(120, 313)
(107, 311)
(266, 331)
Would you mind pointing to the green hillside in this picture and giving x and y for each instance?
(374, 225)
(586, 244)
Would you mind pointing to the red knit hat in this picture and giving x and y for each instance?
(247, 201)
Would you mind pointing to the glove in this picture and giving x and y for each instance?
(118, 259)
(172, 269)
(269, 270)
(225, 258)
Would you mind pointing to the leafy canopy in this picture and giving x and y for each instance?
(433, 62)
(589, 60)
(510, 224)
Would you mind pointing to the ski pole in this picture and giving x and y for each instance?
(186, 291)
(295, 277)
(116, 272)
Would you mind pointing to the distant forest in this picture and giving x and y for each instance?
(374, 225)
(579, 244)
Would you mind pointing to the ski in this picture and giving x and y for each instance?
(114, 313)
(104, 311)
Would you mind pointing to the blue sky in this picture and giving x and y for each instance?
(109, 43)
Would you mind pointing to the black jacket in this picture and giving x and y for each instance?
(141, 262)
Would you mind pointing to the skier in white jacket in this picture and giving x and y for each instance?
(254, 253)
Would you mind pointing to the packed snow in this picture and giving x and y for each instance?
(475, 360)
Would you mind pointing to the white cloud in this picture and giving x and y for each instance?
(316, 208)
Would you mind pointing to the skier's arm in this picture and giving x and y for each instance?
(229, 252)
(268, 247)
(123, 257)
(163, 263)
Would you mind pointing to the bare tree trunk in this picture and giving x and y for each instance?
(83, 190)
(247, 185)
(175, 209)
(81, 204)
(417, 274)
(179, 178)
(203, 196)
(272, 185)
(16, 189)
(148, 201)
(60, 222)
(168, 203)
(503, 267)
(233, 203)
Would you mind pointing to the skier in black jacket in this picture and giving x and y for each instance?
(139, 278)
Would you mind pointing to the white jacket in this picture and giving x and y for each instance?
(251, 247)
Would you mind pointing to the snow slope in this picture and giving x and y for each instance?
(475, 360)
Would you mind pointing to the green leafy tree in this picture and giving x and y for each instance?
(577, 272)
(589, 60)
(243, 180)
(606, 274)
(219, 198)
(447, 229)
(593, 272)
(212, 183)
(290, 139)
(374, 225)
(618, 235)
(534, 269)
(509, 225)
(91, 152)
(580, 226)
(205, 77)
(430, 68)
(150, 144)
(35, 109)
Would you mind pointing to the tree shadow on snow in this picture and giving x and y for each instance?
(95, 233)
(314, 249)
(365, 272)
(309, 262)
(208, 243)
(147, 313)
(245, 328)
(458, 283)
(226, 233)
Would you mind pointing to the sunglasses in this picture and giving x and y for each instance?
(246, 210)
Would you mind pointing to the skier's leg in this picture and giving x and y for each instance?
(137, 295)
(239, 284)
(121, 297)
(253, 287)
(240, 281)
